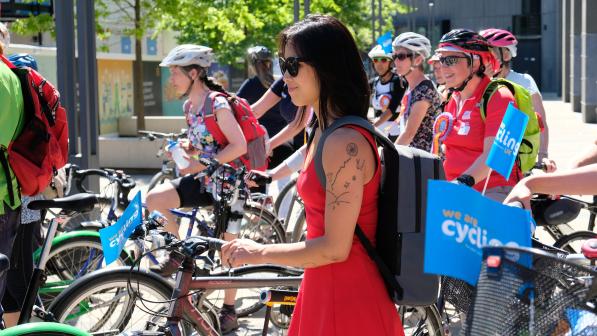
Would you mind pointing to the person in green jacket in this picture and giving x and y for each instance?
(11, 119)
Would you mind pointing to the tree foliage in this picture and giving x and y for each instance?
(227, 26)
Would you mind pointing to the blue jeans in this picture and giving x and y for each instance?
(9, 223)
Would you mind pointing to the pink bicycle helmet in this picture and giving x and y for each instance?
(500, 38)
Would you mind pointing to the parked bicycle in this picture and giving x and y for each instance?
(168, 171)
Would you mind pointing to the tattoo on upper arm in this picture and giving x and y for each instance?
(339, 194)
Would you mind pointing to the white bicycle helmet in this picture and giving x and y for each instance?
(378, 51)
(4, 35)
(189, 54)
(414, 42)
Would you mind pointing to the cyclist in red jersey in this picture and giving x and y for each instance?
(342, 292)
(464, 55)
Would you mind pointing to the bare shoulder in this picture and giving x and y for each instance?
(348, 147)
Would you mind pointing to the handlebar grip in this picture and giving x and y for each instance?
(278, 296)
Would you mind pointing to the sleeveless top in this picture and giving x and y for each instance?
(348, 297)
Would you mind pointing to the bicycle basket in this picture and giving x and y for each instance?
(458, 293)
(543, 299)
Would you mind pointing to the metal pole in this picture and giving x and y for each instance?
(65, 54)
(87, 84)
(379, 12)
(297, 10)
(373, 22)
(307, 5)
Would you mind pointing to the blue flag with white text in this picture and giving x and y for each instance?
(507, 141)
(115, 236)
(385, 41)
(460, 221)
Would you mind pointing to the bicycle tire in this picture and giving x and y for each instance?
(282, 194)
(43, 329)
(421, 321)
(78, 300)
(72, 255)
(266, 229)
(576, 238)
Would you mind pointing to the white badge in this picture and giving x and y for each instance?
(464, 128)
(466, 115)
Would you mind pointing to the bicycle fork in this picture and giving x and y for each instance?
(181, 304)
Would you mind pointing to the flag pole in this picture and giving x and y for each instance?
(486, 182)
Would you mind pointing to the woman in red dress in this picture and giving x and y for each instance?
(342, 292)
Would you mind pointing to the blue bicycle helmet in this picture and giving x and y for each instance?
(23, 60)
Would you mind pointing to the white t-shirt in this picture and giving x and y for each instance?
(524, 80)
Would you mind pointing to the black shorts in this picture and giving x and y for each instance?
(191, 192)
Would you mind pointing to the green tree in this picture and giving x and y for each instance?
(230, 27)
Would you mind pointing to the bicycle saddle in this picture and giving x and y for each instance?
(78, 202)
(547, 211)
(589, 249)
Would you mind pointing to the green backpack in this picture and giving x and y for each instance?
(529, 147)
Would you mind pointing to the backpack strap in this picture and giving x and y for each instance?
(385, 272)
(208, 104)
(490, 90)
(6, 168)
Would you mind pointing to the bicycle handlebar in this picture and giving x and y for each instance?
(124, 181)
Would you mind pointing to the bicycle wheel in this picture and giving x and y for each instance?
(43, 329)
(73, 255)
(285, 193)
(573, 242)
(101, 301)
(421, 321)
(261, 225)
(247, 299)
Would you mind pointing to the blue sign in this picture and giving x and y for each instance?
(385, 41)
(152, 46)
(507, 141)
(460, 221)
(125, 44)
(115, 236)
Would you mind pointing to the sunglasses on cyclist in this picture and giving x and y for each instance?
(290, 64)
(380, 59)
(450, 60)
(401, 56)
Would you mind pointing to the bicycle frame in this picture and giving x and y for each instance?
(181, 306)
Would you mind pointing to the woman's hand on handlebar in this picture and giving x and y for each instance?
(520, 193)
(242, 251)
(256, 178)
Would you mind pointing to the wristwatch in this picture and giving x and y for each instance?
(466, 180)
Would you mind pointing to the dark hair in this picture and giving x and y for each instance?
(328, 46)
(203, 77)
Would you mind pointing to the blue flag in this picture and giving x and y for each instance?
(507, 141)
(460, 221)
(115, 236)
(385, 41)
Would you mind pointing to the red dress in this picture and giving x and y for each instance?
(349, 297)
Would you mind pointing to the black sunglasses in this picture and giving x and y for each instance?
(450, 60)
(401, 56)
(290, 64)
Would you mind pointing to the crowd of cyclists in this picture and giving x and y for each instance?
(323, 79)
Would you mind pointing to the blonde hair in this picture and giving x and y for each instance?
(221, 78)
(4, 37)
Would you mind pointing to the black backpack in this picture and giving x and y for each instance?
(399, 254)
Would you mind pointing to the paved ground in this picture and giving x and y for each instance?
(568, 136)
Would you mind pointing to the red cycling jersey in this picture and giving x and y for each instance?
(464, 143)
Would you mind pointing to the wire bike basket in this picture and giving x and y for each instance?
(526, 291)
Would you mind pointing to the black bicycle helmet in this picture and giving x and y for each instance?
(464, 39)
(259, 53)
